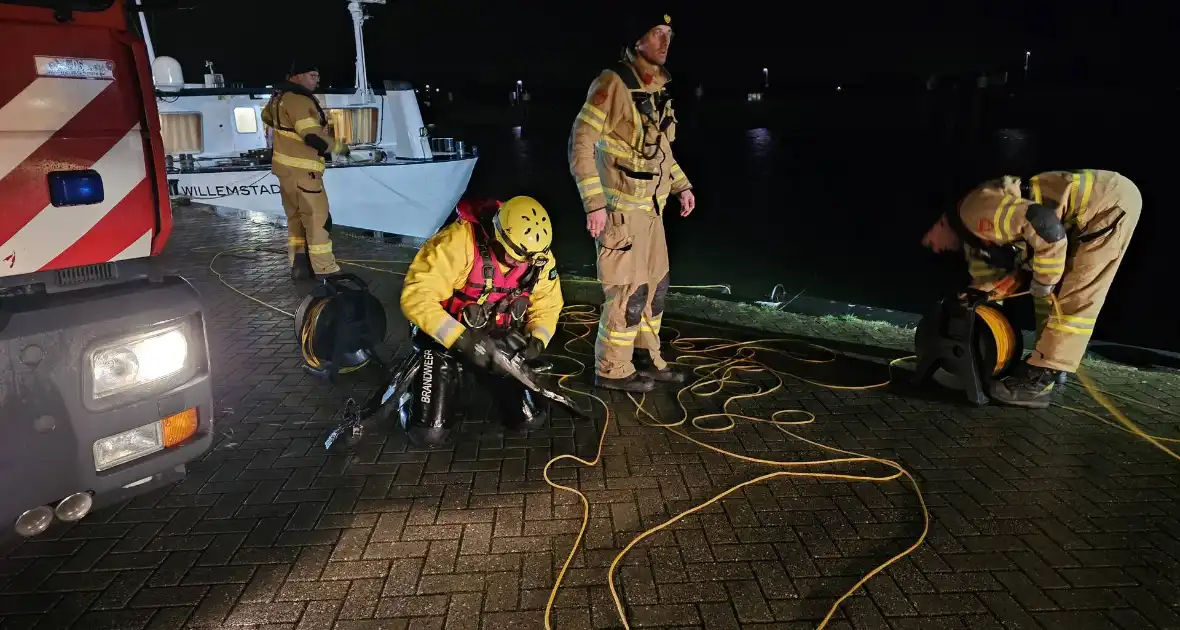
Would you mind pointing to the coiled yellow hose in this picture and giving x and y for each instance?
(307, 338)
(1003, 334)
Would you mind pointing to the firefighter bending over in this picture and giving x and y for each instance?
(302, 143)
(1078, 226)
(625, 171)
(485, 281)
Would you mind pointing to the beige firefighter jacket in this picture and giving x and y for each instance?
(619, 158)
(1089, 198)
(996, 219)
(1092, 195)
(301, 136)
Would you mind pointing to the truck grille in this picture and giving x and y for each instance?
(87, 273)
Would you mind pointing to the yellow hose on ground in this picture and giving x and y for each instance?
(719, 372)
(1101, 399)
(313, 311)
(716, 362)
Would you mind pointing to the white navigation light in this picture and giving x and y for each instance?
(138, 360)
(128, 445)
(74, 68)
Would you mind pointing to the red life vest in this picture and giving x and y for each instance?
(490, 298)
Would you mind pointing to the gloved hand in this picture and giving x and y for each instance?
(1005, 287)
(1039, 290)
(340, 147)
(533, 350)
(477, 347)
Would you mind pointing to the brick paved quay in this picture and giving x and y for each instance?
(1038, 520)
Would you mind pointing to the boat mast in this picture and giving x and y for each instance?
(147, 37)
(363, 92)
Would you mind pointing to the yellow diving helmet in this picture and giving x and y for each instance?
(523, 228)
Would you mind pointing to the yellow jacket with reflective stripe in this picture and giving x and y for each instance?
(442, 266)
(292, 156)
(610, 137)
(1000, 219)
(1091, 196)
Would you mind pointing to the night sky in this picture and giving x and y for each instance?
(564, 43)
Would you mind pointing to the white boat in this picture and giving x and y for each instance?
(397, 179)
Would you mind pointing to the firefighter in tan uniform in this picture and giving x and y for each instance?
(302, 143)
(621, 158)
(1065, 229)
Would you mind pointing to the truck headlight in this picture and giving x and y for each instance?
(138, 360)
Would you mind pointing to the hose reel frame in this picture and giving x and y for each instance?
(339, 301)
(969, 337)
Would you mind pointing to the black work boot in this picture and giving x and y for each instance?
(1028, 386)
(643, 363)
(637, 383)
(301, 268)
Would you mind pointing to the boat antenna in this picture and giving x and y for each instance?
(147, 36)
(363, 91)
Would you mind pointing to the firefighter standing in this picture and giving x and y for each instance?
(473, 283)
(621, 159)
(302, 143)
(1078, 226)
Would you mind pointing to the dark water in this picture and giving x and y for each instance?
(838, 211)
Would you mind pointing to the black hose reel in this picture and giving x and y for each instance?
(337, 325)
(970, 338)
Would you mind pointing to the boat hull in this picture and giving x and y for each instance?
(404, 198)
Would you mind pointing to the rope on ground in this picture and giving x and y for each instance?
(270, 250)
(1099, 397)
(707, 358)
(719, 363)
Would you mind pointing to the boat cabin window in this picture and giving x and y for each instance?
(354, 125)
(182, 133)
(246, 119)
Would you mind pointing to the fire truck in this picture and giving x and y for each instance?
(105, 388)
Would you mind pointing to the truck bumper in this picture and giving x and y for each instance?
(49, 418)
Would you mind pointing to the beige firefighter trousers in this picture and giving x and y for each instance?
(306, 204)
(633, 270)
(1089, 271)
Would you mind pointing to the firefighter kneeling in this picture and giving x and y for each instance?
(487, 282)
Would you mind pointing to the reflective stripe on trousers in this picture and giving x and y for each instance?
(632, 262)
(305, 202)
(1089, 273)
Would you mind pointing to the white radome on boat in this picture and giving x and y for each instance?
(397, 179)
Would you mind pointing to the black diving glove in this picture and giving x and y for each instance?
(477, 347)
(533, 349)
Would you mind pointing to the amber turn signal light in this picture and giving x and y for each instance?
(179, 427)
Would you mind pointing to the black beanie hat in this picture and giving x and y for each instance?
(299, 66)
(639, 23)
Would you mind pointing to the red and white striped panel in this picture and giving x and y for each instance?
(55, 123)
